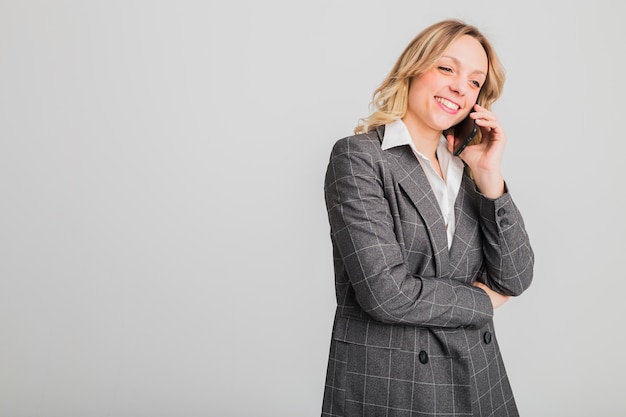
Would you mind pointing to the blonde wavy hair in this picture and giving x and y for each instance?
(389, 101)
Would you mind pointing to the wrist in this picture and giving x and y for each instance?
(491, 185)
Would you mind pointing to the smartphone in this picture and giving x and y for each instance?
(464, 132)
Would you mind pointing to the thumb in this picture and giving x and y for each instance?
(450, 138)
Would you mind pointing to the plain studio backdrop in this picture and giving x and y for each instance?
(164, 243)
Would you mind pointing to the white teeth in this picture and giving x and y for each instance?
(447, 103)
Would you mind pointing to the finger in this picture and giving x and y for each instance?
(483, 113)
(451, 142)
(492, 130)
(490, 124)
(486, 115)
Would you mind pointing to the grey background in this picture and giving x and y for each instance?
(163, 237)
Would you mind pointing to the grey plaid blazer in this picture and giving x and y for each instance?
(412, 336)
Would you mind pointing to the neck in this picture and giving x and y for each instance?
(426, 141)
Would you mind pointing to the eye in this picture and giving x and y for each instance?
(476, 84)
(445, 69)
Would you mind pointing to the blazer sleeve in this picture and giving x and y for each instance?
(362, 230)
(509, 258)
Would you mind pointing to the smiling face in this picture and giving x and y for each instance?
(443, 95)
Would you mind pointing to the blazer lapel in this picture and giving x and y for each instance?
(466, 223)
(412, 179)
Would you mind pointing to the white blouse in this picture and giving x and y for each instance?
(447, 188)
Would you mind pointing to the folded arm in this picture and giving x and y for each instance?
(509, 258)
(362, 230)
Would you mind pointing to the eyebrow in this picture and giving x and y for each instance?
(456, 61)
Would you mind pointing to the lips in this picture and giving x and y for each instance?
(447, 103)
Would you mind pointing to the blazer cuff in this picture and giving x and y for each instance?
(500, 211)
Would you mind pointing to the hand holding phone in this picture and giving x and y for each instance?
(484, 159)
(464, 132)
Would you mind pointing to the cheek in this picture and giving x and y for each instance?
(426, 80)
(475, 95)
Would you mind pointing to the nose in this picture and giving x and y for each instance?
(459, 86)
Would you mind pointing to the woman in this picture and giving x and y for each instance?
(425, 244)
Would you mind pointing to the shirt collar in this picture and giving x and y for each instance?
(397, 134)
